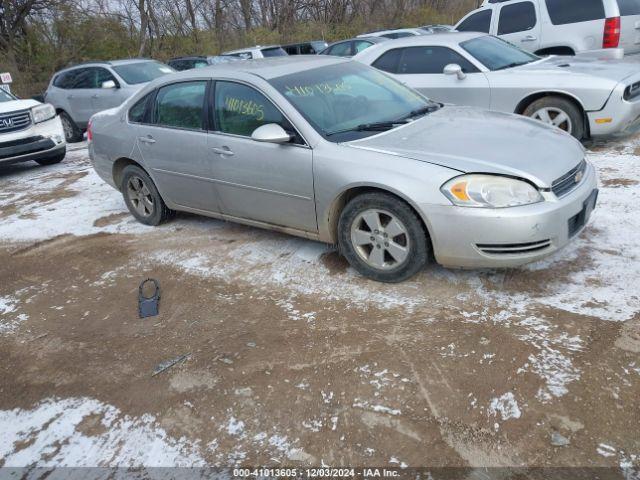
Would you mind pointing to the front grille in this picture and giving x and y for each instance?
(14, 121)
(514, 248)
(570, 180)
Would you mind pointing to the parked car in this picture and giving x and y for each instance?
(560, 27)
(199, 61)
(333, 150)
(586, 97)
(349, 48)
(396, 33)
(437, 28)
(305, 48)
(80, 91)
(256, 52)
(29, 130)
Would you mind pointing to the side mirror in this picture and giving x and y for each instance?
(271, 133)
(109, 84)
(455, 69)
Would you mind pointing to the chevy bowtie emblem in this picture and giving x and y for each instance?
(6, 122)
(579, 176)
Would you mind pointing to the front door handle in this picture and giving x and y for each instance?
(529, 38)
(224, 151)
(148, 139)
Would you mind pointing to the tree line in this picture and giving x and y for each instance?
(38, 37)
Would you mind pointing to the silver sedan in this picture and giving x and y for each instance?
(335, 151)
(583, 95)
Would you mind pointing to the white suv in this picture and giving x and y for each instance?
(29, 130)
(560, 27)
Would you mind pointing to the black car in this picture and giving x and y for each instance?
(199, 61)
(349, 48)
(305, 48)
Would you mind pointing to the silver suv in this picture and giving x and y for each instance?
(80, 91)
(560, 27)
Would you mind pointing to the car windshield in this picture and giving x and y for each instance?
(496, 54)
(142, 72)
(5, 96)
(347, 101)
(274, 52)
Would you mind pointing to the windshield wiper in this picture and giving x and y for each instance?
(369, 127)
(422, 111)
(512, 65)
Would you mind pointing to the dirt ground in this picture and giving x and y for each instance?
(295, 360)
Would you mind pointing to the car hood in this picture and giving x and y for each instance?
(15, 105)
(472, 140)
(607, 69)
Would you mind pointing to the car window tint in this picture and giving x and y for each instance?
(240, 109)
(361, 45)
(104, 75)
(137, 112)
(389, 61)
(478, 22)
(629, 7)
(431, 60)
(563, 12)
(307, 49)
(66, 80)
(341, 49)
(83, 78)
(518, 17)
(200, 64)
(273, 52)
(181, 105)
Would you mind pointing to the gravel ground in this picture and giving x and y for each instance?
(292, 359)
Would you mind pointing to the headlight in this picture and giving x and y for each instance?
(490, 191)
(42, 113)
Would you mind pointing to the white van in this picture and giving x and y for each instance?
(560, 27)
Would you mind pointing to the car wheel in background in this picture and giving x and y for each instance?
(52, 160)
(72, 133)
(559, 112)
(142, 197)
(382, 238)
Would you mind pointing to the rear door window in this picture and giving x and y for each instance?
(361, 45)
(478, 22)
(431, 60)
(181, 105)
(564, 12)
(389, 61)
(518, 17)
(629, 7)
(137, 113)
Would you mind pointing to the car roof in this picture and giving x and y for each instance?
(249, 49)
(108, 63)
(268, 68)
(440, 38)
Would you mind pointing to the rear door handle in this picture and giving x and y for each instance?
(224, 151)
(529, 38)
(148, 139)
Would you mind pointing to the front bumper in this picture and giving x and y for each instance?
(619, 117)
(509, 237)
(40, 141)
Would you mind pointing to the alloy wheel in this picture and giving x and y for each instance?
(67, 128)
(380, 239)
(140, 196)
(554, 116)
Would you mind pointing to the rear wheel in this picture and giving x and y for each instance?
(382, 238)
(560, 113)
(72, 133)
(52, 160)
(142, 197)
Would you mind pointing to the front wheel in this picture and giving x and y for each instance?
(52, 160)
(72, 133)
(382, 238)
(142, 197)
(560, 113)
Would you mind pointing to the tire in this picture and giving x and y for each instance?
(72, 133)
(52, 160)
(142, 197)
(398, 250)
(558, 108)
